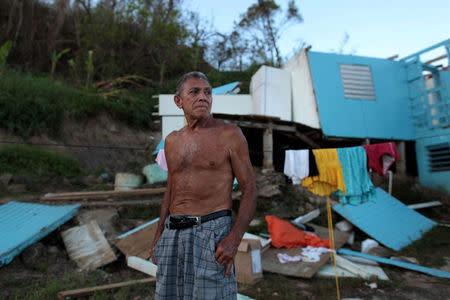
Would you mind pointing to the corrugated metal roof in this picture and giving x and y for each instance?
(23, 224)
(387, 220)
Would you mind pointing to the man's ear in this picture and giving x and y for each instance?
(178, 101)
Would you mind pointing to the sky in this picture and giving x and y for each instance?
(376, 28)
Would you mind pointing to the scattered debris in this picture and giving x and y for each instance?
(434, 272)
(368, 244)
(23, 224)
(154, 173)
(425, 205)
(308, 217)
(101, 194)
(301, 269)
(87, 246)
(412, 260)
(127, 181)
(328, 271)
(142, 265)
(354, 268)
(387, 220)
(269, 191)
(137, 242)
(247, 262)
(88, 291)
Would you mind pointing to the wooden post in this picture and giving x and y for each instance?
(268, 147)
(401, 164)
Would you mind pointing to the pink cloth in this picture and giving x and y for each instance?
(161, 160)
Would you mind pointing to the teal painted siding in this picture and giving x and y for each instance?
(386, 117)
(436, 180)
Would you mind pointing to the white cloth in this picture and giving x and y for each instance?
(296, 165)
(284, 258)
(312, 254)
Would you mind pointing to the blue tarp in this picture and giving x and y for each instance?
(387, 220)
(226, 89)
(23, 224)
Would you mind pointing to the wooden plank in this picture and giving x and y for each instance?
(354, 268)
(425, 205)
(102, 194)
(142, 265)
(139, 242)
(300, 269)
(435, 59)
(410, 266)
(88, 291)
(307, 140)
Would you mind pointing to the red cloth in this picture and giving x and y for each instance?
(284, 234)
(375, 154)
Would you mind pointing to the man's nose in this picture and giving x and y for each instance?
(203, 96)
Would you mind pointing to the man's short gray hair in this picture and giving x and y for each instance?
(182, 80)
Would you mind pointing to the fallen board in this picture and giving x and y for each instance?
(101, 194)
(87, 246)
(402, 264)
(137, 242)
(387, 220)
(300, 269)
(23, 224)
(88, 291)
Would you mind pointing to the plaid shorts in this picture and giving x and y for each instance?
(187, 266)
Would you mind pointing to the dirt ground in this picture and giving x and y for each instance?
(44, 268)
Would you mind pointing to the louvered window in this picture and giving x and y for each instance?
(357, 82)
(439, 157)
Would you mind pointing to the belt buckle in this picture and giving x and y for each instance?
(197, 220)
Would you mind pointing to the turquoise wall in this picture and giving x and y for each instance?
(387, 117)
(435, 180)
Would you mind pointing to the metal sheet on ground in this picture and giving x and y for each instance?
(387, 220)
(23, 224)
(300, 269)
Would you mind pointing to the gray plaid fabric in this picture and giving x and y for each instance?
(187, 267)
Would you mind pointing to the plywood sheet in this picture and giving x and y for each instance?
(138, 241)
(300, 269)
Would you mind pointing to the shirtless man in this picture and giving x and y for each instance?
(195, 255)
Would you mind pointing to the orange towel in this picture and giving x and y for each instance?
(330, 176)
(284, 234)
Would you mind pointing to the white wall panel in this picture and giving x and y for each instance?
(304, 104)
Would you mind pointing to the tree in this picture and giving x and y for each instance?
(262, 23)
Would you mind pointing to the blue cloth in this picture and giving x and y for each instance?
(159, 147)
(359, 188)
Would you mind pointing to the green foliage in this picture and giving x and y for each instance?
(35, 163)
(30, 105)
(55, 57)
(4, 52)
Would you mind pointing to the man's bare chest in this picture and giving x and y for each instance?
(199, 153)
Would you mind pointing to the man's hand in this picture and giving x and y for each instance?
(226, 251)
(151, 253)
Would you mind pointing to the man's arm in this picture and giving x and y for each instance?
(243, 170)
(164, 212)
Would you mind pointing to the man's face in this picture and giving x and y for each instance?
(195, 98)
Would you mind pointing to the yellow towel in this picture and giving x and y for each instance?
(330, 176)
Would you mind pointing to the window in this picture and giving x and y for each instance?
(439, 157)
(357, 82)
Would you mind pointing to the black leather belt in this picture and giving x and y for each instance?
(186, 221)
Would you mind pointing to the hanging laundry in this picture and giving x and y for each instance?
(359, 187)
(284, 234)
(313, 171)
(330, 176)
(161, 160)
(381, 157)
(296, 165)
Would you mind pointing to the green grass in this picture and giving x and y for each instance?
(30, 104)
(35, 163)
